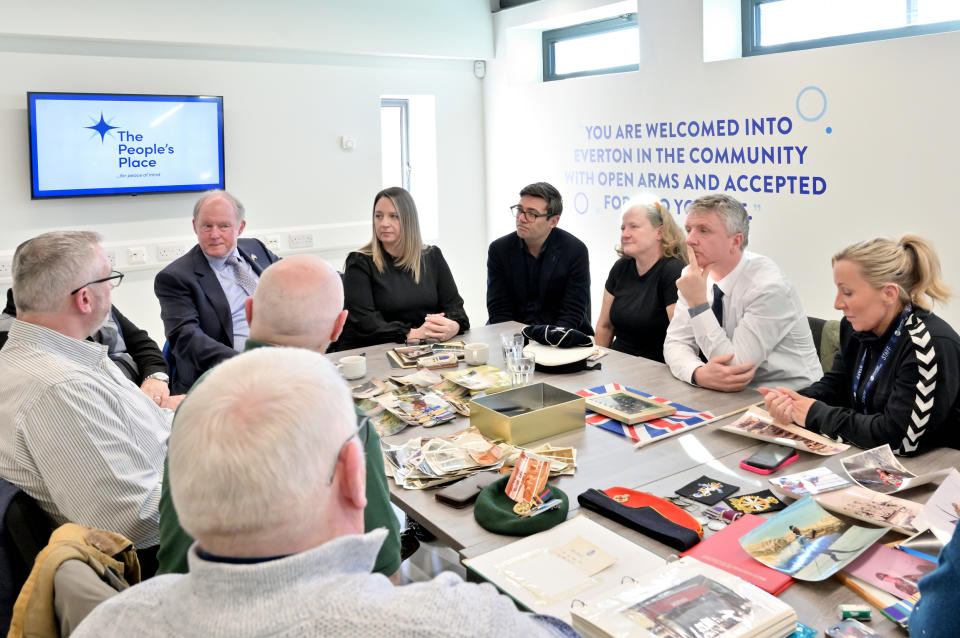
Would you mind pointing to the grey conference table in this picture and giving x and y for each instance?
(605, 460)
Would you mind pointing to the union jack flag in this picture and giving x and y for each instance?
(685, 419)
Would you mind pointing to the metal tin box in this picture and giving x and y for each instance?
(527, 414)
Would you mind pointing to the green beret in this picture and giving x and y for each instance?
(494, 512)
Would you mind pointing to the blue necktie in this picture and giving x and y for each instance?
(717, 305)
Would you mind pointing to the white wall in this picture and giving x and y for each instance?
(889, 162)
(283, 120)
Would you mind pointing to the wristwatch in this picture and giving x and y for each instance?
(160, 376)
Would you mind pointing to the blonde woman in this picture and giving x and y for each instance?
(641, 289)
(897, 374)
(395, 288)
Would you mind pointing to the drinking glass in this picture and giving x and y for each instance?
(510, 342)
(520, 366)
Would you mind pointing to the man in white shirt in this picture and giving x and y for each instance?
(738, 322)
(75, 433)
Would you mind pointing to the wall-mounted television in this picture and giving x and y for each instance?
(84, 144)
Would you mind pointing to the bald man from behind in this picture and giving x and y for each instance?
(298, 303)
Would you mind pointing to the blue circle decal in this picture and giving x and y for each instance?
(823, 106)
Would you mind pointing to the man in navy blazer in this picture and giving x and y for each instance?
(202, 293)
(539, 274)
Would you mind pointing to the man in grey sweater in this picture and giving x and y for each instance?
(267, 473)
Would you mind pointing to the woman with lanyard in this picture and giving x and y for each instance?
(897, 373)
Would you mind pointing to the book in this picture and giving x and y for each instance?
(758, 424)
(685, 598)
(628, 407)
(544, 572)
(722, 549)
(683, 420)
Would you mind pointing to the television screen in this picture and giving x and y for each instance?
(105, 144)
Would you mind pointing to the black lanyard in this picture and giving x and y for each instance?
(860, 399)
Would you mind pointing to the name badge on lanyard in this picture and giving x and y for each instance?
(860, 398)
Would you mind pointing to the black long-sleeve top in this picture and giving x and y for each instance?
(914, 404)
(383, 307)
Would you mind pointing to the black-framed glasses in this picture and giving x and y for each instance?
(114, 274)
(363, 433)
(529, 215)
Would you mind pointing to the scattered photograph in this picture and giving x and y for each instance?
(943, 507)
(891, 570)
(815, 481)
(879, 470)
(758, 424)
(807, 542)
(857, 502)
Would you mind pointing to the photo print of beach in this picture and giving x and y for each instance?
(879, 470)
(807, 542)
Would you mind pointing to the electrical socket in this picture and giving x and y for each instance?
(272, 242)
(137, 255)
(6, 270)
(301, 240)
(169, 252)
(111, 257)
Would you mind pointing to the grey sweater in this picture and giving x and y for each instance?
(326, 591)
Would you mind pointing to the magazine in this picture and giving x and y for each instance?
(685, 599)
(807, 542)
(758, 424)
(683, 420)
(879, 470)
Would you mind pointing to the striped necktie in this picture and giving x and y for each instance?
(246, 280)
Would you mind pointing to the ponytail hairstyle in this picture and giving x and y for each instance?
(910, 263)
(672, 238)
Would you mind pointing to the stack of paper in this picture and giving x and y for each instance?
(427, 462)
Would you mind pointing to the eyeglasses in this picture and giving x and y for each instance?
(529, 215)
(114, 274)
(363, 433)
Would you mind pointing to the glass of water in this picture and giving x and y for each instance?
(510, 342)
(520, 366)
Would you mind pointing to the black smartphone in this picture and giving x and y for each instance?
(769, 458)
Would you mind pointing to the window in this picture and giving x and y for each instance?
(592, 48)
(771, 26)
(395, 142)
(408, 154)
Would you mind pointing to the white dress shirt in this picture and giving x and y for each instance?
(763, 323)
(78, 436)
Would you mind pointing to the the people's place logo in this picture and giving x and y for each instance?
(130, 146)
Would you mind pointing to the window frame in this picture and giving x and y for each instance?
(751, 31)
(404, 106)
(607, 25)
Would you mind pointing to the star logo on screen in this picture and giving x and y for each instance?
(102, 127)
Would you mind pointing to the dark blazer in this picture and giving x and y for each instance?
(563, 296)
(195, 313)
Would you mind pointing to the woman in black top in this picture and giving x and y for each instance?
(641, 290)
(896, 377)
(395, 288)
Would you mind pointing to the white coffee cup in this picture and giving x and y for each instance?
(352, 367)
(476, 354)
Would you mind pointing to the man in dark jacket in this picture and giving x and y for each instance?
(540, 274)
